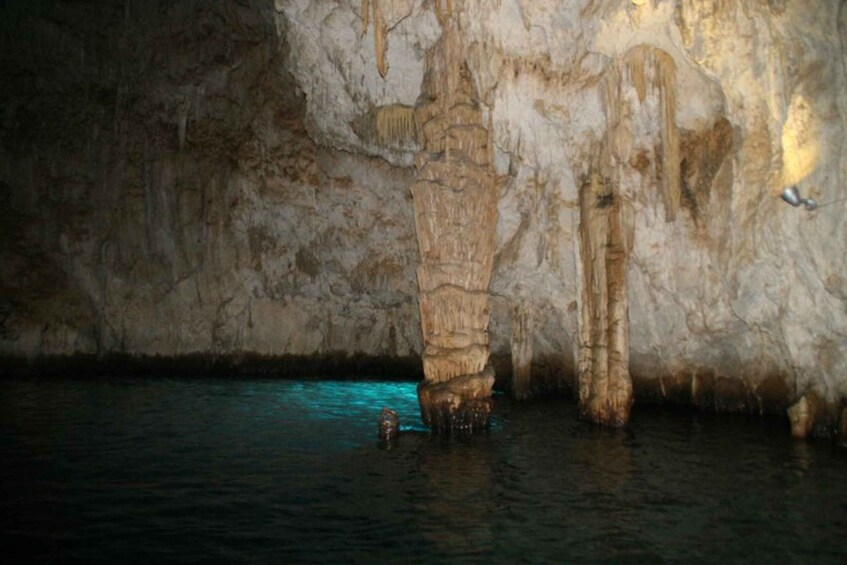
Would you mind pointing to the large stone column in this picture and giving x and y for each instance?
(638, 88)
(455, 220)
(605, 386)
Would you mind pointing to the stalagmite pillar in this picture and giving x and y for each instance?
(606, 223)
(803, 415)
(605, 386)
(521, 351)
(455, 219)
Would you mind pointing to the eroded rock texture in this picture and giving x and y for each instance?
(455, 218)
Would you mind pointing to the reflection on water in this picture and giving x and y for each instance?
(459, 514)
(292, 472)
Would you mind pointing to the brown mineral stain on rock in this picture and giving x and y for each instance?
(703, 153)
(307, 263)
(707, 389)
(374, 272)
(640, 161)
(521, 346)
(773, 394)
(680, 387)
(732, 395)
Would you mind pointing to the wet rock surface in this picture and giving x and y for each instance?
(460, 405)
(389, 426)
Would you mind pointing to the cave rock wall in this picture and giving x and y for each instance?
(736, 301)
(161, 195)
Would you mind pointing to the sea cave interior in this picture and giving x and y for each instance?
(423, 280)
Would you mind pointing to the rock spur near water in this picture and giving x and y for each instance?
(389, 426)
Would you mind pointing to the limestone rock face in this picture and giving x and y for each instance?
(736, 301)
(161, 195)
(353, 57)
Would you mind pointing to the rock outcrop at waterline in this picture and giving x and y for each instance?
(242, 170)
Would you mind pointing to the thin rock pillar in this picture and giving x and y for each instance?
(521, 346)
(605, 237)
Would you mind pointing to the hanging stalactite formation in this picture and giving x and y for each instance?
(443, 11)
(380, 32)
(521, 349)
(653, 71)
(395, 125)
(386, 14)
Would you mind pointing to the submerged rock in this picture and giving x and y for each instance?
(389, 425)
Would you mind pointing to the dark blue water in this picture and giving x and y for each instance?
(282, 471)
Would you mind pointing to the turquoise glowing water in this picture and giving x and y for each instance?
(283, 471)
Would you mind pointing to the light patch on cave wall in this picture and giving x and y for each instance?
(800, 146)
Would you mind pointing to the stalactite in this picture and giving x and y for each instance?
(636, 71)
(182, 126)
(605, 240)
(395, 124)
(804, 414)
(455, 220)
(365, 16)
(666, 70)
(521, 346)
(443, 13)
(380, 44)
(380, 33)
(642, 61)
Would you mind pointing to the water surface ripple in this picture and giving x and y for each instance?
(290, 471)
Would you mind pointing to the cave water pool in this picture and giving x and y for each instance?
(150, 470)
